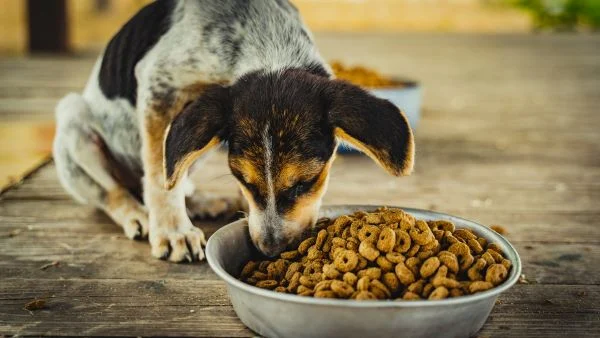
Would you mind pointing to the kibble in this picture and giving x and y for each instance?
(385, 254)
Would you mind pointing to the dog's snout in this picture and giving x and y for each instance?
(269, 243)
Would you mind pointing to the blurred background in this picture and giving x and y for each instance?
(42, 34)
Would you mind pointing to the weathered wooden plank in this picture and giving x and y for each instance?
(200, 308)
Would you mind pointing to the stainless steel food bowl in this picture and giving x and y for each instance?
(273, 314)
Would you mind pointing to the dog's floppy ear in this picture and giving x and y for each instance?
(374, 126)
(199, 127)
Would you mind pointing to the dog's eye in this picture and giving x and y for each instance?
(297, 189)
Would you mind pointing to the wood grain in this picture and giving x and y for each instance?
(508, 136)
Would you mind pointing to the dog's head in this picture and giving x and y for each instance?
(283, 129)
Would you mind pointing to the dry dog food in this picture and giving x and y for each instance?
(362, 76)
(385, 254)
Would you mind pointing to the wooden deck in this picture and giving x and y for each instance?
(509, 136)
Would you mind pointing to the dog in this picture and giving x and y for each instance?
(182, 77)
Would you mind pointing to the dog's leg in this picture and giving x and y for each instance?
(172, 234)
(202, 204)
(82, 168)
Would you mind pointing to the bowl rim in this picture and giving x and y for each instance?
(399, 84)
(512, 279)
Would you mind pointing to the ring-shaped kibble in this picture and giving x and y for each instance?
(262, 266)
(351, 245)
(483, 242)
(427, 289)
(377, 292)
(413, 250)
(489, 259)
(346, 260)
(390, 280)
(294, 282)
(441, 225)
(450, 239)
(373, 218)
(365, 295)
(258, 275)
(330, 271)
(495, 247)
(346, 233)
(267, 284)
(355, 227)
(475, 246)
(305, 244)
(421, 234)
(455, 292)
(363, 284)
(475, 272)
(395, 257)
(338, 242)
(479, 286)
(368, 251)
(251, 281)
(386, 240)
(376, 283)
(325, 294)
(410, 296)
(438, 234)
(323, 285)
(423, 255)
(362, 263)
(290, 255)
(497, 256)
(248, 268)
(341, 223)
(314, 253)
(463, 253)
(403, 241)
(416, 287)
(440, 279)
(321, 238)
(404, 274)
(350, 278)
(439, 293)
(369, 233)
(433, 245)
(281, 289)
(384, 264)
(429, 267)
(449, 260)
(307, 281)
(372, 273)
(413, 263)
(312, 268)
(496, 274)
(342, 289)
(465, 234)
(507, 264)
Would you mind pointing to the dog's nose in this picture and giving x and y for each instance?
(269, 244)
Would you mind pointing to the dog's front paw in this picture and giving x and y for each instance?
(204, 205)
(132, 217)
(182, 243)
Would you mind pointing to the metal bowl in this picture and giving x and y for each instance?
(273, 314)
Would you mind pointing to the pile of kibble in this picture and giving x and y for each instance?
(385, 254)
(362, 76)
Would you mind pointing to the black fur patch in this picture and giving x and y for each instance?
(128, 47)
(197, 125)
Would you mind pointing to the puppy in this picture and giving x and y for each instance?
(180, 78)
